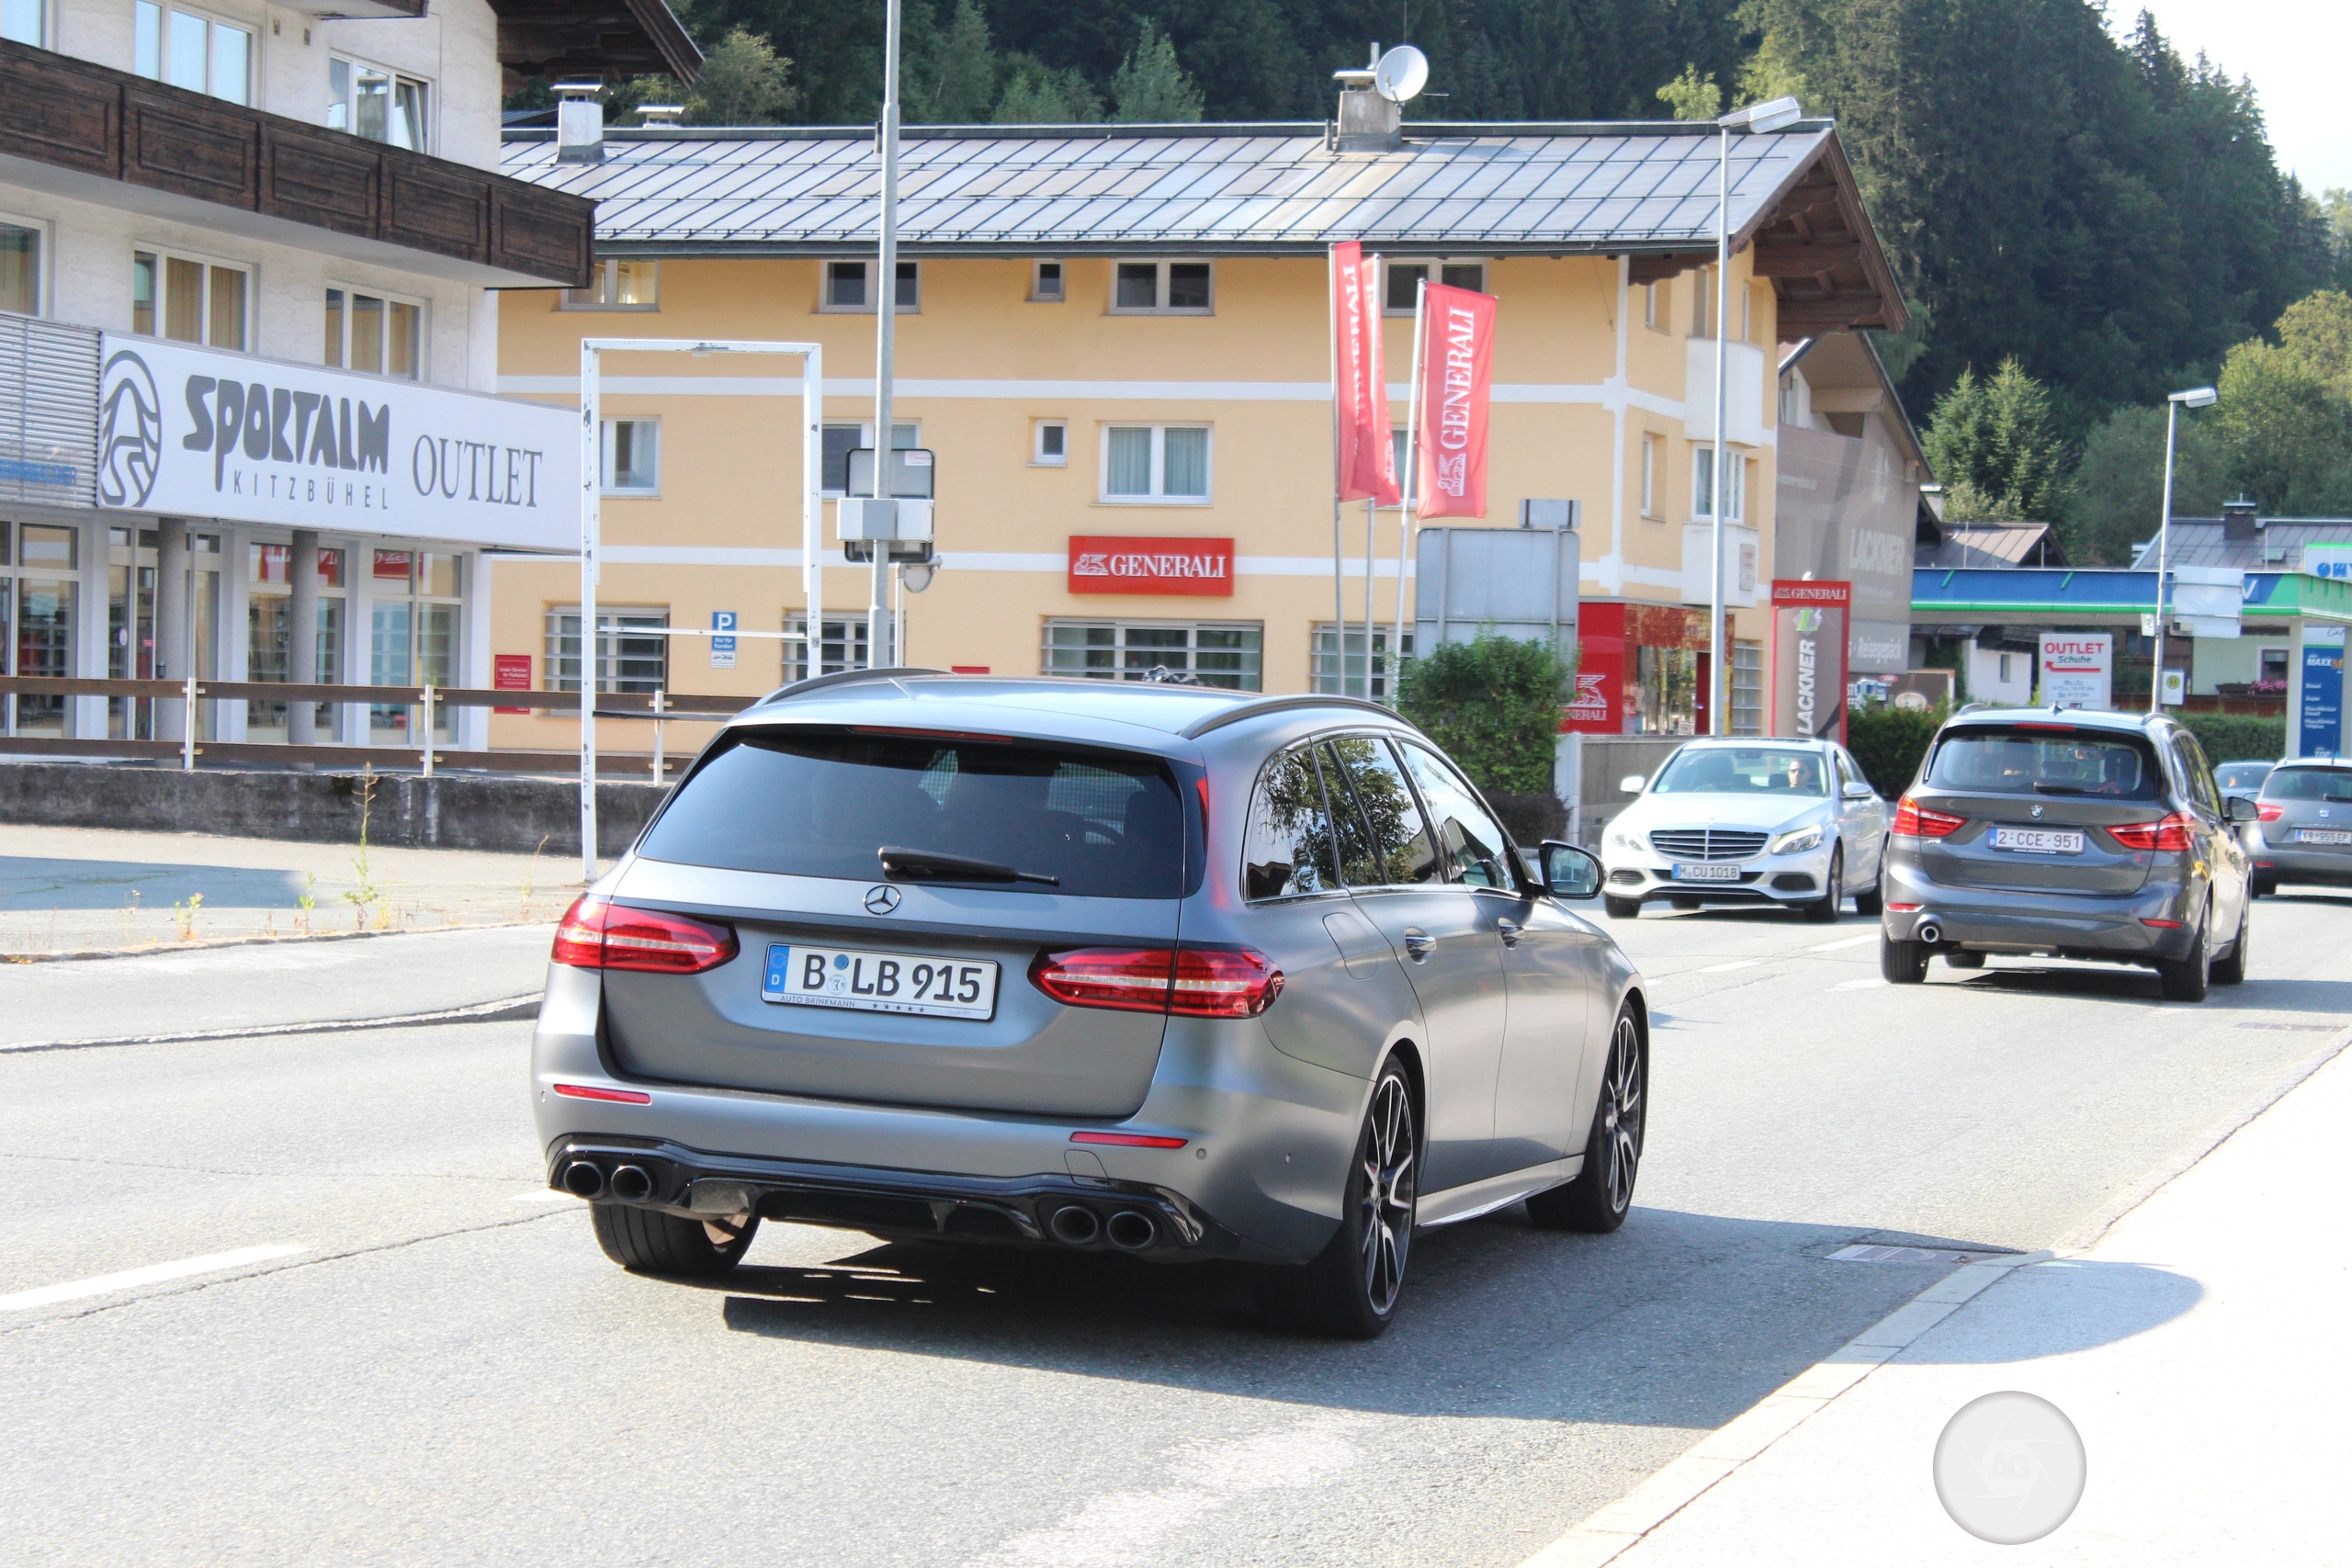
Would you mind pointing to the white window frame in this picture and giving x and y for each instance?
(1120, 629)
(1325, 674)
(1038, 456)
(397, 79)
(851, 624)
(40, 26)
(864, 428)
(613, 623)
(825, 305)
(1157, 495)
(1436, 267)
(44, 246)
(163, 8)
(1657, 305)
(1736, 460)
(165, 254)
(424, 325)
(1702, 303)
(605, 442)
(1652, 443)
(1038, 293)
(1159, 286)
(608, 285)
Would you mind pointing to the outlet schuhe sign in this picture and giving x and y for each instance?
(197, 432)
(1102, 563)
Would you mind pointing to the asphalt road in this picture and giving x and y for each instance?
(448, 1371)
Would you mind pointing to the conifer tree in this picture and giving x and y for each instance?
(1150, 87)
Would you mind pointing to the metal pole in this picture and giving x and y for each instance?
(2163, 540)
(1338, 572)
(658, 766)
(1716, 718)
(1409, 477)
(885, 321)
(1371, 313)
(427, 732)
(812, 505)
(591, 530)
(187, 733)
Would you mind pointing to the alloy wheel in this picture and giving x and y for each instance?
(1389, 1193)
(1621, 1112)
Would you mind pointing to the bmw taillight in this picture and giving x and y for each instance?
(1191, 982)
(2268, 812)
(594, 934)
(1912, 820)
(2171, 832)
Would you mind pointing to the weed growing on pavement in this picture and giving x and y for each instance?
(309, 899)
(530, 878)
(187, 909)
(366, 892)
(130, 917)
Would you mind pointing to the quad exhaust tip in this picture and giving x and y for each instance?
(1132, 1230)
(581, 1178)
(1074, 1225)
(631, 1184)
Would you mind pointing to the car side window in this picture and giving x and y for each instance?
(2196, 771)
(1288, 849)
(1388, 845)
(1848, 774)
(1475, 847)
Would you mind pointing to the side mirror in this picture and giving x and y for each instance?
(1632, 784)
(1859, 792)
(2242, 809)
(1569, 871)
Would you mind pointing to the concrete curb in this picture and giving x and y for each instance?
(504, 1008)
(164, 948)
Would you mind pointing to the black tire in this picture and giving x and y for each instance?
(1831, 904)
(1349, 1289)
(2265, 886)
(1873, 903)
(2185, 979)
(1960, 958)
(1621, 908)
(646, 1241)
(1597, 1201)
(2230, 968)
(1901, 962)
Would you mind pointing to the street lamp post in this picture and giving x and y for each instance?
(1776, 114)
(885, 329)
(2195, 398)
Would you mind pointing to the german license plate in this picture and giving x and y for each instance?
(879, 982)
(2039, 840)
(1726, 872)
(2322, 836)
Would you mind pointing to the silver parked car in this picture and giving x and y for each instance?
(2305, 834)
(1168, 971)
(1791, 823)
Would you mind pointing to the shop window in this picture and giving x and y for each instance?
(1155, 463)
(620, 286)
(20, 268)
(1227, 654)
(632, 654)
(1402, 291)
(268, 635)
(1332, 674)
(841, 440)
(379, 105)
(1667, 690)
(22, 22)
(414, 619)
(841, 644)
(1162, 288)
(632, 457)
(1703, 483)
(192, 51)
(848, 287)
(1747, 687)
(188, 299)
(38, 596)
(1049, 446)
(1045, 283)
(375, 332)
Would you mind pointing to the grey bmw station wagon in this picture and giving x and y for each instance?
(1168, 971)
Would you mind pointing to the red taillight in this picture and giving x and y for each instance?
(2268, 812)
(598, 935)
(1905, 909)
(620, 1096)
(1127, 1140)
(2165, 833)
(1196, 982)
(2160, 925)
(1912, 820)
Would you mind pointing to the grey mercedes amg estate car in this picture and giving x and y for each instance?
(1168, 971)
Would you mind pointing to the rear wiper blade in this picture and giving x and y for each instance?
(932, 865)
(2059, 789)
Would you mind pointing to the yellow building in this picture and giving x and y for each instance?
(1116, 337)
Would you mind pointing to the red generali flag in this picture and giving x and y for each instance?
(1367, 464)
(1457, 375)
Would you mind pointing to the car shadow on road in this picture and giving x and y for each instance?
(2256, 994)
(1678, 1320)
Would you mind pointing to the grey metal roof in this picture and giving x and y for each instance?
(2278, 543)
(1494, 189)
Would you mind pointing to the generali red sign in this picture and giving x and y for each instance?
(1102, 563)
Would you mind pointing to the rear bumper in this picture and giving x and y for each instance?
(2068, 926)
(2294, 864)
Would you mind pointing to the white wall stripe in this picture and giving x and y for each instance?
(1594, 394)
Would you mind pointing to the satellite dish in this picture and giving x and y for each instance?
(1401, 74)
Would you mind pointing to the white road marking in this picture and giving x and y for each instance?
(1849, 941)
(155, 1274)
(1859, 986)
(1728, 968)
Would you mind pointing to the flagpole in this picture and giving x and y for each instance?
(1408, 481)
(1369, 314)
(1338, 599)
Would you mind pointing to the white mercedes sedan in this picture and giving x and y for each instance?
(1746, 822)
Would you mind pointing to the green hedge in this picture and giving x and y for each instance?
(2237, 736)
(1889, 742)
(1494, 705)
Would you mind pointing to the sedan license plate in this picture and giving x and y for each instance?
(880, 982)
(2038, 841)
(2324, 836)
(1725, 872)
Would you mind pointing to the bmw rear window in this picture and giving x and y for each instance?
(2309, 784)
(2045, 760)
(811, 802)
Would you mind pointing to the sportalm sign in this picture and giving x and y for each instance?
(197, 432)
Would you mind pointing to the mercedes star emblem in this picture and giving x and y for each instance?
(882, 900)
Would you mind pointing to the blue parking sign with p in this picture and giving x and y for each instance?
(722, 639)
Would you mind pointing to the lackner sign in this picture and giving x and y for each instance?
(1102, 563)
(197, 433)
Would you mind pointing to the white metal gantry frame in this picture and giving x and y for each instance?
(812, 411)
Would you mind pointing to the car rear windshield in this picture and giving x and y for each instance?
(809, 802)
(2045, 761)
(2308, 783)
(1745, 770)
(2242, 775)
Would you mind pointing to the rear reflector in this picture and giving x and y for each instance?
(1912, 820)
(598, 935)
(2160, 925)
(2165, 833)
(1905, 908)
(619, 1095)
(1127, 1140)
(1193, 982)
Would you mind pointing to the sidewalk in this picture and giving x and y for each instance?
(88, 889)
(2203, 1349)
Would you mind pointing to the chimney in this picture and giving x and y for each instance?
(670, 114)
(579, 123)
(2238, 524)
(1368, 122)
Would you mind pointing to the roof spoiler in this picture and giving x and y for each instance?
(843, 678)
